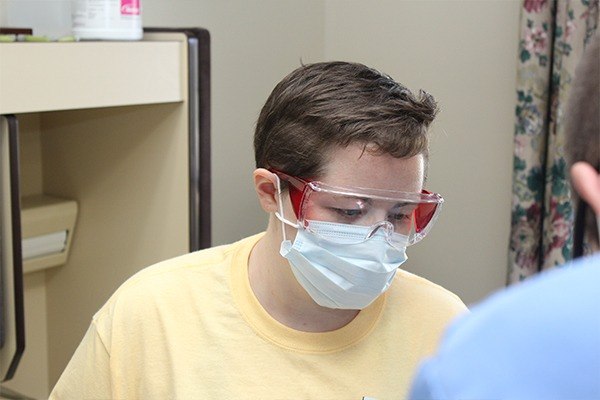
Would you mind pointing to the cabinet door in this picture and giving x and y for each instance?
(197, 42)
(12, 323)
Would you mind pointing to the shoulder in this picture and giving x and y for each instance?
(199, 261)
(567, 291)
(425, 293)
(171, 279)
(545, 329)
(422, 306)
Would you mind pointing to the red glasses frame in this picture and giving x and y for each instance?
(423, 213)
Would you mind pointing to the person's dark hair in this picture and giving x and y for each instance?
(321, 106)
(582, 114)
(582, 130)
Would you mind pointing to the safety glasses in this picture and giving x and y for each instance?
(403, 218)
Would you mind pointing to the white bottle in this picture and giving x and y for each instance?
(107, 19)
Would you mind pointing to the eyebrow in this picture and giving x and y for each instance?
(369, 201)
(400, 205)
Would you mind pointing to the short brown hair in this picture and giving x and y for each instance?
(326, 105)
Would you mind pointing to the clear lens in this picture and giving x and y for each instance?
(401, 218)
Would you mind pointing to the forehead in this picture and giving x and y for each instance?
(352, 167)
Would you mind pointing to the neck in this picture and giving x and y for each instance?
(280, 294)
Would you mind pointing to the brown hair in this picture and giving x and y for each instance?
(582, 121)
(335, 104)
(582, 114)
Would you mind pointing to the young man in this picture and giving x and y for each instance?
(315, 307)
(540, 339)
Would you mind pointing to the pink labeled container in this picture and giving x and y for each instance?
(107, 19)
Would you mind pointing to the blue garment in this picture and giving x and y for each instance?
(536, 340)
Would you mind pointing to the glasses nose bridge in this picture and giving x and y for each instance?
(384, 226)
(377, 213)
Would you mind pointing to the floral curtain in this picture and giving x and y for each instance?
(552, 38)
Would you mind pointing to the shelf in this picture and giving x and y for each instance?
(67, 76)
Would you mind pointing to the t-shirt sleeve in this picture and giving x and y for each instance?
(87, 376)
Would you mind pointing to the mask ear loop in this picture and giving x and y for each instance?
(279, 214)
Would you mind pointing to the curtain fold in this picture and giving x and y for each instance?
(553, 35)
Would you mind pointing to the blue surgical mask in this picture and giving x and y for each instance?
(345, 276)
(341, 275)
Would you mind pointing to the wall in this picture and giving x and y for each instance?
(464, 53)
(254, 44)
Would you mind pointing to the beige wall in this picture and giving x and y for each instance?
(463, 52)
(254, 44)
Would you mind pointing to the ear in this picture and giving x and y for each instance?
(265, 184)
(586, 181)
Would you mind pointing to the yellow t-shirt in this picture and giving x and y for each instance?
(191, 328)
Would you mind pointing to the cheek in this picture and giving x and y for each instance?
(288, 210)
(288, 214)
(290, 233)
(315, 213)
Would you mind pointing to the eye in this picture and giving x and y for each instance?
(348, 213)
(399, 217)
(401, 214)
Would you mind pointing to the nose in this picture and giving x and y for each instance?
(387, 227)
(374, 216)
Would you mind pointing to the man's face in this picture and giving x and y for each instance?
(352, 167)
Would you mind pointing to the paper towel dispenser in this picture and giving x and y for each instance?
(47, 226)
